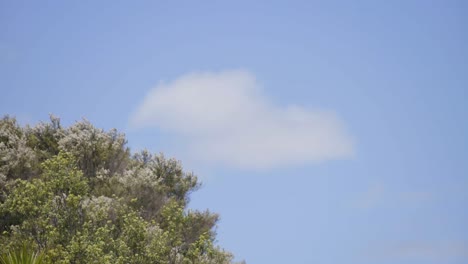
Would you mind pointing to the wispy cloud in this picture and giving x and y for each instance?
(428, 251)
(371, 198)
(378, 195)
(7, 53)
(227, 118)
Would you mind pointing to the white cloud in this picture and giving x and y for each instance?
(226, 118)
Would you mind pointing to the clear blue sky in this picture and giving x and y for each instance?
(395, 74)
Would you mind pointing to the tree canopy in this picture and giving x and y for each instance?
(78, 195)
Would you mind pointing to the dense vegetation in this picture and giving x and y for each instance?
(77, 195)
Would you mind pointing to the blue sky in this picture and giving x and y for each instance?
(324, 131)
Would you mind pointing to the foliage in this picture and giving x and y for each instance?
(77, 195)
(24, 255)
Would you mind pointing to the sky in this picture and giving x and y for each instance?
(325, 132)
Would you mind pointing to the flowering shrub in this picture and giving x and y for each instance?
(77, 195)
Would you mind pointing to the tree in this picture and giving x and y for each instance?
(77, 195)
